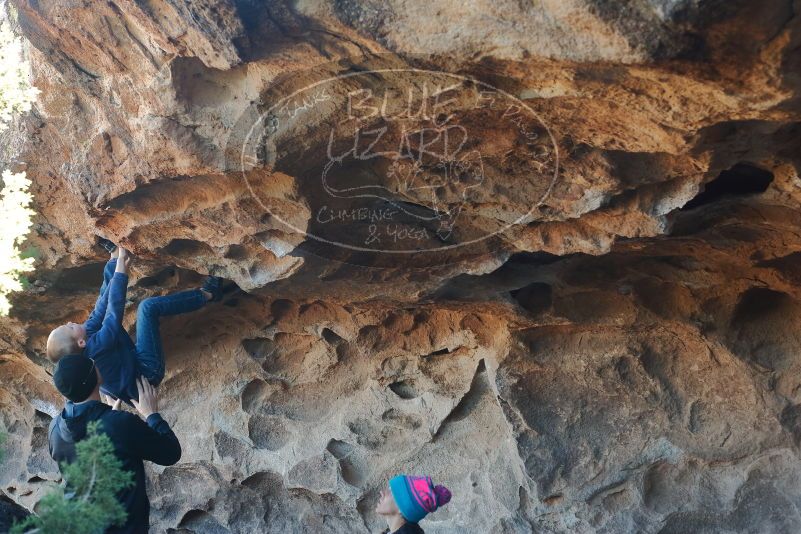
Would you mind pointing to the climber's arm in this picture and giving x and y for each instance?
(95, 320)
(115, 306)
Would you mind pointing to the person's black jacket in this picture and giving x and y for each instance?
(133, 440)
(407, 528)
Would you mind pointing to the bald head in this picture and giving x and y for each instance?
(67, 339)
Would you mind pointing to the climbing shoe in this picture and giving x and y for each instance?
(106, 244)
(213, 285)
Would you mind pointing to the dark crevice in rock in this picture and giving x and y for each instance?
(535, 298)
(331, 337)
(440, 352)
(740, 180)
(78, 278)
(159, 279)
(533, 259)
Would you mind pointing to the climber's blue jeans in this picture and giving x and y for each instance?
(148, 338)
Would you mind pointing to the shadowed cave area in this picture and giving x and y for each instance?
(547, 253)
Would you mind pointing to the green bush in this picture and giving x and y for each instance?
(87, 502)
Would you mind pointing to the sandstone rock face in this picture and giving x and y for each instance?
(548, 253)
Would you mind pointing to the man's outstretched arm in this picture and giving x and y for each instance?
(153, 440)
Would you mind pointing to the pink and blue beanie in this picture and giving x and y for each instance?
(416, 497)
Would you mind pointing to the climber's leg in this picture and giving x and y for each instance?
(148, 337)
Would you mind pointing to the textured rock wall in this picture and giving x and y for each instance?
(591, 323)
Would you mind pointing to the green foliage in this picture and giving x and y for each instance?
(16, 96)
(87, 504)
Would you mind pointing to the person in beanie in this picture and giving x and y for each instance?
(134, 440)
(410, 499)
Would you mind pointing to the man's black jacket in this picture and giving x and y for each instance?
(134, 441)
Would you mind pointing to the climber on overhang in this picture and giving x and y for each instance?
(103, 339)
(408, 500)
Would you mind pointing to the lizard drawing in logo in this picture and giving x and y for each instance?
(423, 173)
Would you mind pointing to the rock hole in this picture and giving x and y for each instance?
(403, 389)
(254, 395)
(158, 279)
(367, 434)
(623, 369)
(742, 179)
(187, 248)
(236, 253)
(552, 500)
(403, 420)
(331, 337)
(263, 481)
(765, 328)
(280, 308)
(658, 488)
(344, 453)
(440, 352)
(227, 446)
(268, 432)
(534, 298)
(201, 521)
(79, 278)
(258, 348)
(791, 421)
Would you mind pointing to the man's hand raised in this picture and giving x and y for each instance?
(148, 403)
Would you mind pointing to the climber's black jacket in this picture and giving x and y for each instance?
(134, 441)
